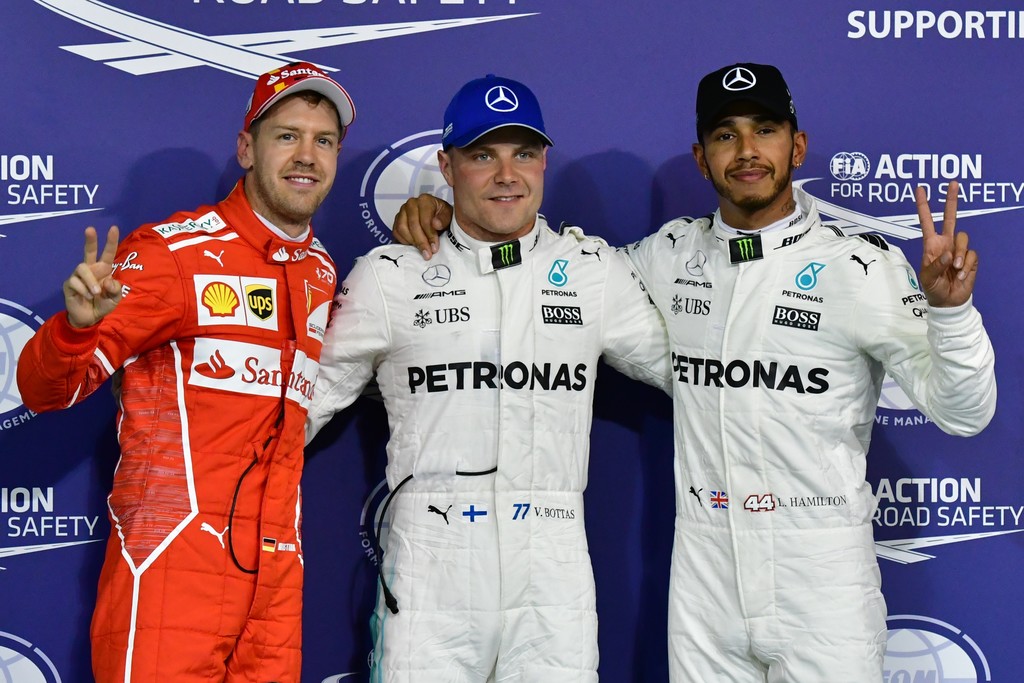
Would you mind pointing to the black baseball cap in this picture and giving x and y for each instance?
(759, 83)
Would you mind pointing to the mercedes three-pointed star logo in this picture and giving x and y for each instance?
(739, 78)
(437, 276)
(501, 99)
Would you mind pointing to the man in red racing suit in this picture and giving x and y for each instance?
(216, 317)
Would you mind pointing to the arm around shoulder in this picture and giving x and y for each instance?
(636, 339)
(358, 335)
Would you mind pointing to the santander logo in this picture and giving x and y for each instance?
(215, 368)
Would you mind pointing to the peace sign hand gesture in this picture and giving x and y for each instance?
(948, 267)
(91, 292)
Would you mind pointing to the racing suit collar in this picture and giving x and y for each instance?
(240, 216)
(764, 243)
(490, 256)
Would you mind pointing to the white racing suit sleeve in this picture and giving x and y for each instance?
(642, 252)
(635, 337)
(948, 374)
(357, 336)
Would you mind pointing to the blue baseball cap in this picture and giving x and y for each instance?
(489, 103)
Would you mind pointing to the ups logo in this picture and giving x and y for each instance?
(260, 300)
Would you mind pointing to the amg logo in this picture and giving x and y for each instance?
(693, 283)
(794, 317)
(431, 295)
(561, 315)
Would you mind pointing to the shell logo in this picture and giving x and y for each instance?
(220, 299)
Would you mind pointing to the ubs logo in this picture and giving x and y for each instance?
(451, 315)
(442, 316)
(697, 306)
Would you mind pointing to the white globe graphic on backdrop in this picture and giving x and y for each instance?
(373, 508)
(930, 650)
(408, 171)
(894, 398)
(21, 662)
(17, 325)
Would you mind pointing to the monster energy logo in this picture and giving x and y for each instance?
(745, 249)
(505, 255)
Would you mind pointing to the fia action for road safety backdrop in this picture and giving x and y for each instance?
(124, 111)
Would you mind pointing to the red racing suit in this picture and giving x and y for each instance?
(219, 336)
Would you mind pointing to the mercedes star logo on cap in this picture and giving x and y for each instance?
(501, 99)
(739, 79)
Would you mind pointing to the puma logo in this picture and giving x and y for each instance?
(863, 265)
(220, 536)
(431, 508)
(596, 252)
(385, 257)
(696, 494)
(215, 257)
(673, 238)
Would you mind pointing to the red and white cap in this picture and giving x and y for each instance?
(293, 78)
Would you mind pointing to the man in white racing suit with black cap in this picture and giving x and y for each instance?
(782, 330)
(486, 359)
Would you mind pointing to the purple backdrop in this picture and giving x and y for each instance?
(125, 111)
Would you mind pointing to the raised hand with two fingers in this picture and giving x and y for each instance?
(92, 292)
(948, 267)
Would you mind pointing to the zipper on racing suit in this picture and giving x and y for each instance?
(389, 597)
(287, 358)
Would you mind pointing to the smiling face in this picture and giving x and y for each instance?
(497, 182)
(291, 157)
(749, 156)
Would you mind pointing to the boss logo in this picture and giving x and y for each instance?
(795, 317)
(561, 315)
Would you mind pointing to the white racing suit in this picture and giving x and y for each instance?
(486, 357)
(779, 348)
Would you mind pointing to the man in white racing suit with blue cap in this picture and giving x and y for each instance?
(487, 359)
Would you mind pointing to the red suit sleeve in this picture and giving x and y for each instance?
(61, 365)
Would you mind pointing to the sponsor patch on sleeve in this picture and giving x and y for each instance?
(210, 222)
